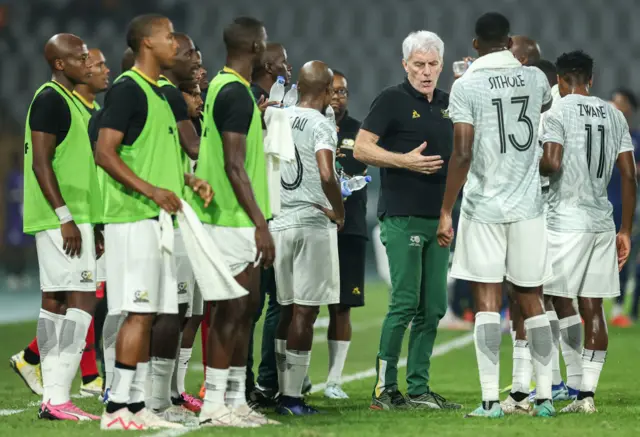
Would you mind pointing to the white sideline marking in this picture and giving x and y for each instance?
(439, 350)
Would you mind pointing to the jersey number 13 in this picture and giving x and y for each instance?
(523, 101)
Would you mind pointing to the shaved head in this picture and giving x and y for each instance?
(525, 49)
(272, 62)
(315, 78)
(67, 54)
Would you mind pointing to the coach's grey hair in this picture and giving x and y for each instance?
(422, 41)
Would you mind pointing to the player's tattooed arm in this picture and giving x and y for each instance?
(551, 160)
(459, 164)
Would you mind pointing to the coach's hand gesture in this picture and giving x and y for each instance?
(265, 249)
(416, 161)
(71, 239)
(166, 200)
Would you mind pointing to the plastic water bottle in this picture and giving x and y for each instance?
(330, 114)
(291, 98)
(354, 184)
(276, 94)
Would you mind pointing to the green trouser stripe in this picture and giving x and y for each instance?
(418, 267)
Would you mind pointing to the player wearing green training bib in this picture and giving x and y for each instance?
(232, 159)
(61, 202)
(138, 151)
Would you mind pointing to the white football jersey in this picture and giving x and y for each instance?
(301, 188)
(592, 134)
(503, 104)
(555, 95)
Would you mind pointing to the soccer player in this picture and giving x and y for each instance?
(307, 270)
(272, 63)
(27, 363)
(166, 331)
(61, 202)
(495, 107)
(583, 138)
(352, 242)
(525, 49)
(232, 159)
(139, 152)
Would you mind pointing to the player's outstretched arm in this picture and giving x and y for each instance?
(459, 164)
(330, 186)
(107, 157)
(551, 160)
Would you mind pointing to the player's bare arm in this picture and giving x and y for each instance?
(199, 186)
(330, 187)
(107, 157)
(235, 149)
(627, 166)
(44, 148)
(459, 164)
(551, 160)
(367, 151)
(189, 139)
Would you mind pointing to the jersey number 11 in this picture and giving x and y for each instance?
(589, 129)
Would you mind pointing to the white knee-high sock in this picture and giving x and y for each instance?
(522, 367)
(48, 333)
(182, 366)
(337, 357)
(487, 336)
(236, 387)
(297, 366)
(592, 364)
(137, 391)
(556, 375)
(541, 347)
(109, 336)
(571, 341)
(281, 360)
(215, 388)
(161, 370)
(72, 341)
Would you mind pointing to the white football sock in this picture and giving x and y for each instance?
(592, 363)
(571, 341)
(236, 387)
(48, 333)
(109, 337)
(281, 360)
(215, 388)
(540, 345)
(487, 336)
(161, 372)
(175, 393)
(72, 341)
(522, 367)
(512, 332)
(337, 357)
(296, 371)
(137, 392)
(184, 356)
(121, 385)
(556, 375)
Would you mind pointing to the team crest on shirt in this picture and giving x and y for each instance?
(415, 114)
(347, 144)
(445, 113)
(87, 276)
(356, 291)
(141, 296)
(182, 287)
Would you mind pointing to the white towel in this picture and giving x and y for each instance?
(212, 274)
(278, 146)
(501, 59)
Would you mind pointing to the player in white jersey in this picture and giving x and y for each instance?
(495, 107)
(583, 138)
(305, 233)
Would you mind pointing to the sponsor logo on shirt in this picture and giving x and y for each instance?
(141, 296)
(182, 287)
(347, 143)
(356, 291)
(87, 276)
(445, 113)
(415, 114)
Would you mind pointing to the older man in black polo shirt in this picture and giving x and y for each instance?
(408, 135)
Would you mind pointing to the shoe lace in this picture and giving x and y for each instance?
(397, 398)
(441, 400)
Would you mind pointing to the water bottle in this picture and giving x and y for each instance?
(291, 98)
(277, 90)
(354, 184)
(330, 114)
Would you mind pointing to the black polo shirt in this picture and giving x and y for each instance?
(403, 119)
(356, 205)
